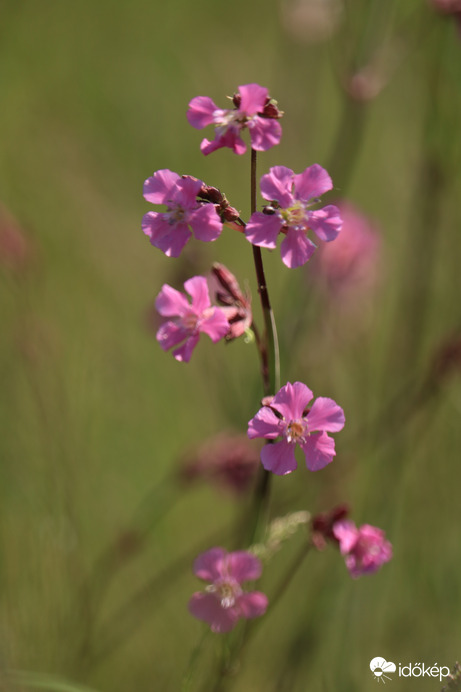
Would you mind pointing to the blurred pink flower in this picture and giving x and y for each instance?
(253, 109)
(365, 548)
(15, 247)
(290, 213)
(188, 320)
(227, 460)
(351, 263)
(170, 231)
(224, 602)
(288, 417)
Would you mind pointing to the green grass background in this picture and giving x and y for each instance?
(94, 415)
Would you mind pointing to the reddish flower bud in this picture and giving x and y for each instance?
(235, 304)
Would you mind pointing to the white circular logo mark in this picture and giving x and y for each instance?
(380, 667)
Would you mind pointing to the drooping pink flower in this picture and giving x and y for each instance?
(185, 320)
(171, 230)
(253, 109)
(287, 417)
(350, 265)
(365, 549)
(290, 213)
(224, 602)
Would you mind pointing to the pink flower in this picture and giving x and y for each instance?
(365, 548)
(287, 417)
(292, 196)
(228, 460)
(188, 320)
(253, 108)
(349, 266)
(224, 602)
(170, 230)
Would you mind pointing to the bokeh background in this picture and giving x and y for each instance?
(97, 535)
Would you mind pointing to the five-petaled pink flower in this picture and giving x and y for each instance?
(365, 548)
(224, 602)
(290, 212)
(253, 109)
(287, 417)
(186, 320)
(170, 230)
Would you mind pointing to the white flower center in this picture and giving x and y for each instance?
(189, 321)
(176, 215)
(296, 431)
(295, 216)
(226, 592)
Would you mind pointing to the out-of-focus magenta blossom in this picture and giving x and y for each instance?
(171, 230)
(351, 264)
(253, 109)
(224, 602)
(288, 417)
(365, 548)
(185, 320)
(228, 460)
(290, 212)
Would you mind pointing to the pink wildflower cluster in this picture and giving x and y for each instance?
(290, 213)
(224, 602)
(288, 417)
(292, 417)
(253, 109)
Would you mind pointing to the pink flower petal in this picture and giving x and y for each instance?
(172, 243)
(205, 223)
(155, 225)
(291, 400)
(279, 458)
(215, 325)
(253, 98)
(229, 139)
(206, 607)
(264, 133)
(186, 191)
(347, 534)
(208, 565)
(184, 353)
(319, 450)
(277, 185)
(158, 188)
(252, 604)
(243, 566)
(200, 113)
(170, 302)
(326, 223)
(197, 288)
(171, 334)
(296, 249)
(312, 182)
(325, 414)
(264, 424)
(263, 229)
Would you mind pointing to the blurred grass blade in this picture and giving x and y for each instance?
(39, 681)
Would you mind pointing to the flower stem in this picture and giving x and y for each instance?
(269, 352)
